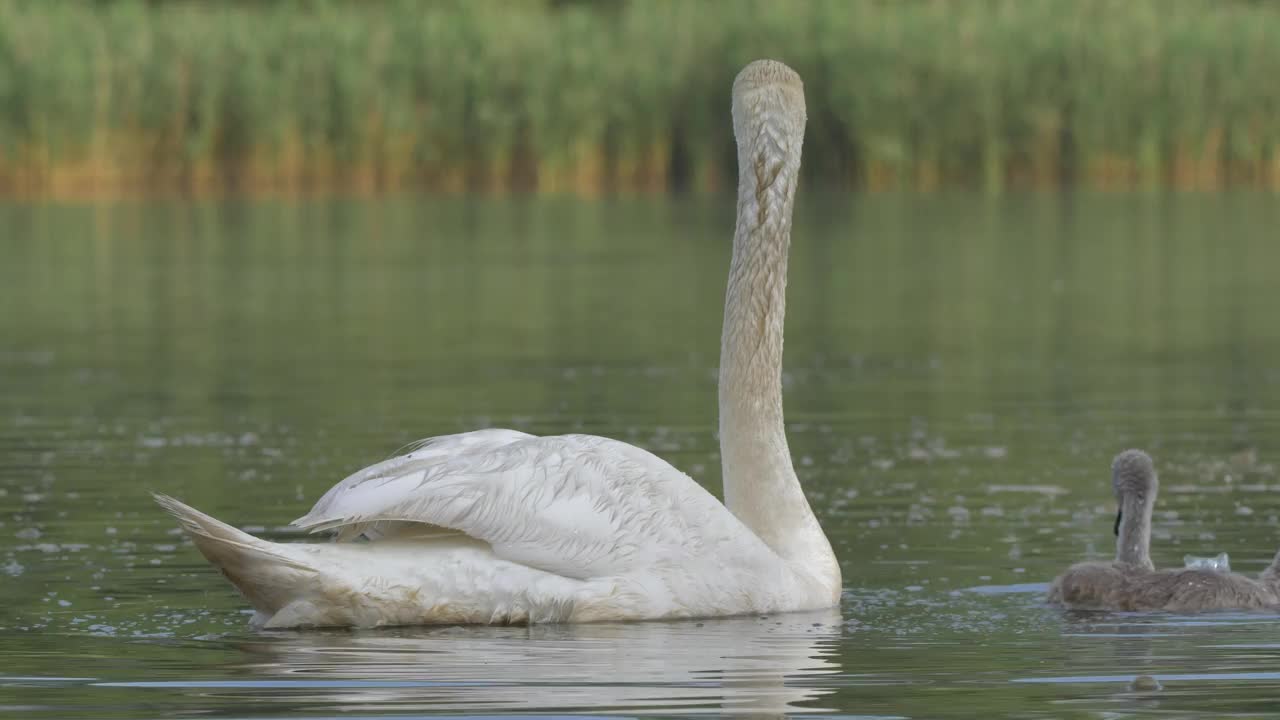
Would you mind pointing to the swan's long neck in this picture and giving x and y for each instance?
(760, 484)
(1133, 538)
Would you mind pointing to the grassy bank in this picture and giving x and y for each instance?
(590, 97)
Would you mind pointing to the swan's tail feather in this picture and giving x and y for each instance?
(266, 573)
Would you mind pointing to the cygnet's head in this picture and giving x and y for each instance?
(1133, 475)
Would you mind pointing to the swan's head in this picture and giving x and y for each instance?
(768, 96)
(768, 124)
(769, 75)
(1133, 476)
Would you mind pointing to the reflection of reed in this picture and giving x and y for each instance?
(356, 326)
(752, 665)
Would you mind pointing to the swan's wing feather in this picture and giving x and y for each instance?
(367, 491)
(576, 505)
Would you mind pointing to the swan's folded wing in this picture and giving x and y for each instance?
(577, 505)
(371, 490)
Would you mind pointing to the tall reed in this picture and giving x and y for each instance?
(631, 95)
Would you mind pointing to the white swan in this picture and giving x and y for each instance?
(496, 526)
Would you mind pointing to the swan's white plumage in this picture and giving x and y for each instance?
(578, 506)
(502, 526)
(573, 528)
(357, 503)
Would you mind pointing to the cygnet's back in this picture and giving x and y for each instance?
(1117, 586)
(1132, 583)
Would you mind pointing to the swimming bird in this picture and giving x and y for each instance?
(1131, 582)
(498, 526)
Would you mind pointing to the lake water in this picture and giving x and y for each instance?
(959, 372)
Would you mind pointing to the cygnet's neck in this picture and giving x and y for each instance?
(1133, 541)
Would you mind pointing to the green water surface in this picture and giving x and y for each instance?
(959, 372)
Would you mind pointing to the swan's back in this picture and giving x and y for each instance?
(1124, 587)
(1092, 586)
(1194, 589)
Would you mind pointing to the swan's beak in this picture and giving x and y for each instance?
(1119, 514)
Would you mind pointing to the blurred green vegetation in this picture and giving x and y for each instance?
(600, 96)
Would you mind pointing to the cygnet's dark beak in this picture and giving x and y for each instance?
(1119, 514)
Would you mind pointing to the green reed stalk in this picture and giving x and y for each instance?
(631, 95)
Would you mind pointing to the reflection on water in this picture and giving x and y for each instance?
(1173, 677)
(959, 373)
(750, 665)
